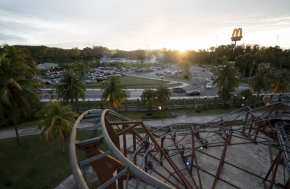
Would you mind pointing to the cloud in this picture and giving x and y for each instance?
(131, 24)
(11, 39)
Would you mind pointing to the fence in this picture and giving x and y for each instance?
(173, 103)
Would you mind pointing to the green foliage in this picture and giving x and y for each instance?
(226, 81)
(281, 82)
(263, 79)
(184, 64)
(148, 98)
(279, 58)
(18, 91)
(71, 88)
(113, 92)
(159, 97)
(162, 95)
(80, 67)
(247, 94)
(7, 122)
(57, 121)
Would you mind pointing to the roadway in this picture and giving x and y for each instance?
(197, 83)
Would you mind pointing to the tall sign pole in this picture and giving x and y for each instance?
(237, 35)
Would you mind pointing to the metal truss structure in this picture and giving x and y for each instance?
(177, 155)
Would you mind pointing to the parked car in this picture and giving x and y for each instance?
(88, 81)
(178, 90)
(167, 71)
(99, 79)
(193, 93)
(208, 86)
(49, 82)
(207, 81)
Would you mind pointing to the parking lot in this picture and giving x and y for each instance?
(94, 75)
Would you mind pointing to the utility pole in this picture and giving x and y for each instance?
(217, 37)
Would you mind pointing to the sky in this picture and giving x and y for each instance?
(144, 24)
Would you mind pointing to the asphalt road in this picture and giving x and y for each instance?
(197, 83)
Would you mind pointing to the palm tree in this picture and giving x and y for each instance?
(148, 98)
(51, 93)
(113, 92)
(162, 95)
(71, 88)
(226, 81)
(18, 92)
(57, 121)
(281, 83)
(262, 80)
(247, 94)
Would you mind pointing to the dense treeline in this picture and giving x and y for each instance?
(246, 57)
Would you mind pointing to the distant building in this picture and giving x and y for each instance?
(124, 60)
(47, 66)
(112, 60)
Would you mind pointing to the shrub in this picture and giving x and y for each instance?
(185, 77)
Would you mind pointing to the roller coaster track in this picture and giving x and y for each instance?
(158, 158)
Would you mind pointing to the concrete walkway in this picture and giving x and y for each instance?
(10, 133)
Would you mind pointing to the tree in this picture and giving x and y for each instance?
(162, 95)
(113, 92)
(263, 79)
(247, 94)
(226, 81)
(18, 91)
(71, 88)
(245, 63)
(80, 67)
(281, 83)
(148, 98)
(57, 121)
(51, 93)
(185, 65)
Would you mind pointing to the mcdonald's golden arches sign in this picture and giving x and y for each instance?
(237, 34)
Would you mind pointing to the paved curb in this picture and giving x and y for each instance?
(10, 133)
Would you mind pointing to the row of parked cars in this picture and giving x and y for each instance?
(147, 69)
(53, 75)
(101, 74)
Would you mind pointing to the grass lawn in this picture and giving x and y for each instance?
(179, 76)
(132, 82)
(168, 113)
(36, 163)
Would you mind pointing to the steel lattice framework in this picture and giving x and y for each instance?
(172, 156)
